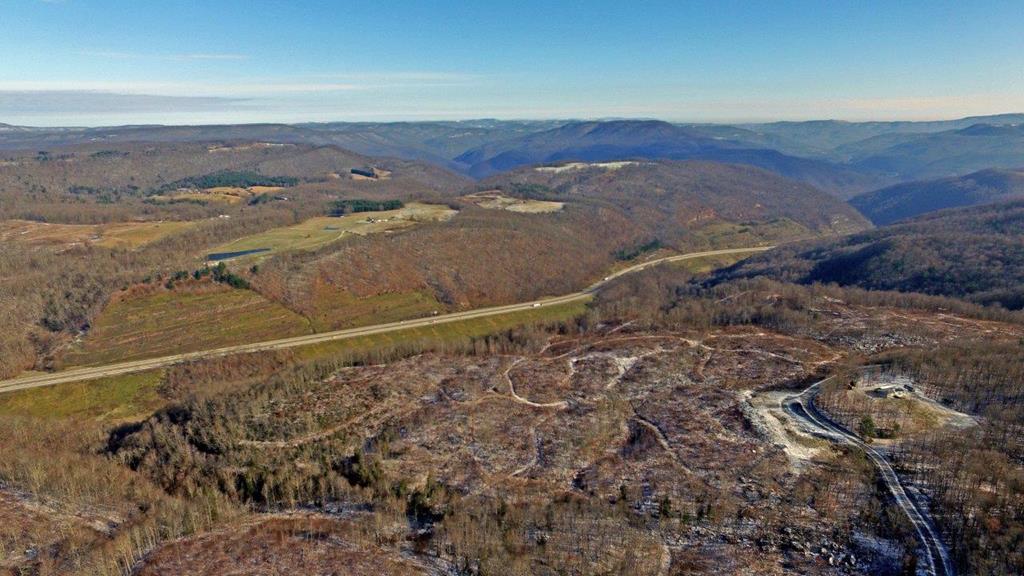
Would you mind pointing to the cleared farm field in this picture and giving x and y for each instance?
(498, 201)
(323, 230)
(584, 165)
(161, 323)
(224, 194)
(62, 236)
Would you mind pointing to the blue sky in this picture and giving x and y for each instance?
(91, 62)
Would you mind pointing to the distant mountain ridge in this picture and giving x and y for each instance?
(838, 139)
(902, 201)
(844, 158)
(652, 139)
(950, 153)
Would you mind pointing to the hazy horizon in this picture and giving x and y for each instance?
(254, 62)
(738, 121)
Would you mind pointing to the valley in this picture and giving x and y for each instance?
(613, 354)
(511, 289)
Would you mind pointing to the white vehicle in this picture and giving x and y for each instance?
(536, 304)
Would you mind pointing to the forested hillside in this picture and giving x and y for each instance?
(973, 253)
(949, 153)
(894, 203)
(487, 256)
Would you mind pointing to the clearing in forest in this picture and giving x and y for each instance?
(64, 236)
(584, 165)
(224, 194)
(322, 230)
(495, 200)
(165, 322)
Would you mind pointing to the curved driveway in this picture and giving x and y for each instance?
(801, 408)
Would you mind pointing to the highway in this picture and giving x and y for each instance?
(94, 372)
(801, 408)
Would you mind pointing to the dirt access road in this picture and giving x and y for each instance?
(935, 555)
(94, 372)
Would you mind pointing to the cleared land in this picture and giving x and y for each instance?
(323, 230)
(63, 236)
(494, 200)
(584, 165)
(226, 194)
(167, 322)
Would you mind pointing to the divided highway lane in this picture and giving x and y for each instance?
(92, 373)
(801, 408)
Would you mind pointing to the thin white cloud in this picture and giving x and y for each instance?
(239, 89)
(253, 87)
(166, 57)
(407, 76)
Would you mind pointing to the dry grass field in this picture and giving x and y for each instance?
(163, 322)
(128, 235)
(112, 399)
(331, 309)
(322, 230)
(223, 194)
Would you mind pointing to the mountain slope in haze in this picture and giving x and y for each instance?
(30, 138)
(650, 139)
(438, 142)
(839, 140)
(894, 203)
(950, 153)
(973, 253)
(435, 142)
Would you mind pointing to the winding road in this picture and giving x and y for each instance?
(94, 372)
(801, 408)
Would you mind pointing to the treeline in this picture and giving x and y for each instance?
(343, 207)
(528, 191)
(639, 249)
(668, 297)
(229, 179)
